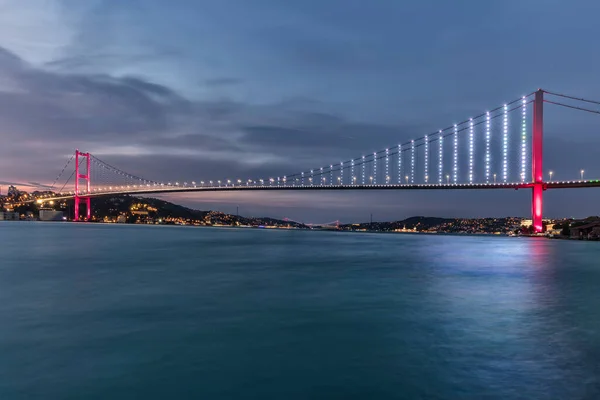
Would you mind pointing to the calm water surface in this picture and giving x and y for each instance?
(154, 312)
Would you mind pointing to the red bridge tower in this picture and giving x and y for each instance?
(81, 196)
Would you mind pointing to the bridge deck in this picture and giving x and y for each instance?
(241, 188)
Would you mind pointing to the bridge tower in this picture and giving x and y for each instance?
(537, 161)
(81, 196)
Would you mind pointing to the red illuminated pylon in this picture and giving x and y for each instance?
(82, 195)
(537, 158)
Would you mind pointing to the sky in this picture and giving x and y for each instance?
(212, 89)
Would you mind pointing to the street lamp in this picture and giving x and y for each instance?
(448, 179)
(406, 177)
(551, 173)
(426, 178)
(582, 171)
(371, 180)
(494, 178)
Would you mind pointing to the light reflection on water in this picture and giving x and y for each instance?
(94, 311)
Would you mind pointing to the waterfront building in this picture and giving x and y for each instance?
(9, 216)
(588, 231)
(51, 215)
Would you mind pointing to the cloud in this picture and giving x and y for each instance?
(45, 115)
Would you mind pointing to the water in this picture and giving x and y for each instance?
(154, 312)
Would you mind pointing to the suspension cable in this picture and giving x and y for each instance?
(68, 180)
(573, 107)
(573, 98)
(61, 172)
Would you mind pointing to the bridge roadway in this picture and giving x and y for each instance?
(135, 190)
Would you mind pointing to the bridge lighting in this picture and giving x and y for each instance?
(455, 154)
(406, 178)
(352, 170)
(448, 179)
(582, 171)
(471, 149)
(399, 164)
(364, 164)
(505, 146)
(331, 174)
(342, 172)
(412, 161)
(426, 167)
(550, 173)
(219, 182)
(371, 180)
(494, 178)
(322, 180)
(387, 165)
(487, 146)
(302, 174)
(523, 140)
(440, 158)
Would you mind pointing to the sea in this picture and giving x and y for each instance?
(94, 311)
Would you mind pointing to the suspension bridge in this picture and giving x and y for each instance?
(499, 149)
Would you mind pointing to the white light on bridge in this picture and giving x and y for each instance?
(399, 163)
(426, 158)
(487, 146)
(505, 146)
(412, 161)
(471, 149)
(387, 165)
(440, 157)
(524, 140)
(375, 168)
(363, 169)
(455, 154)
